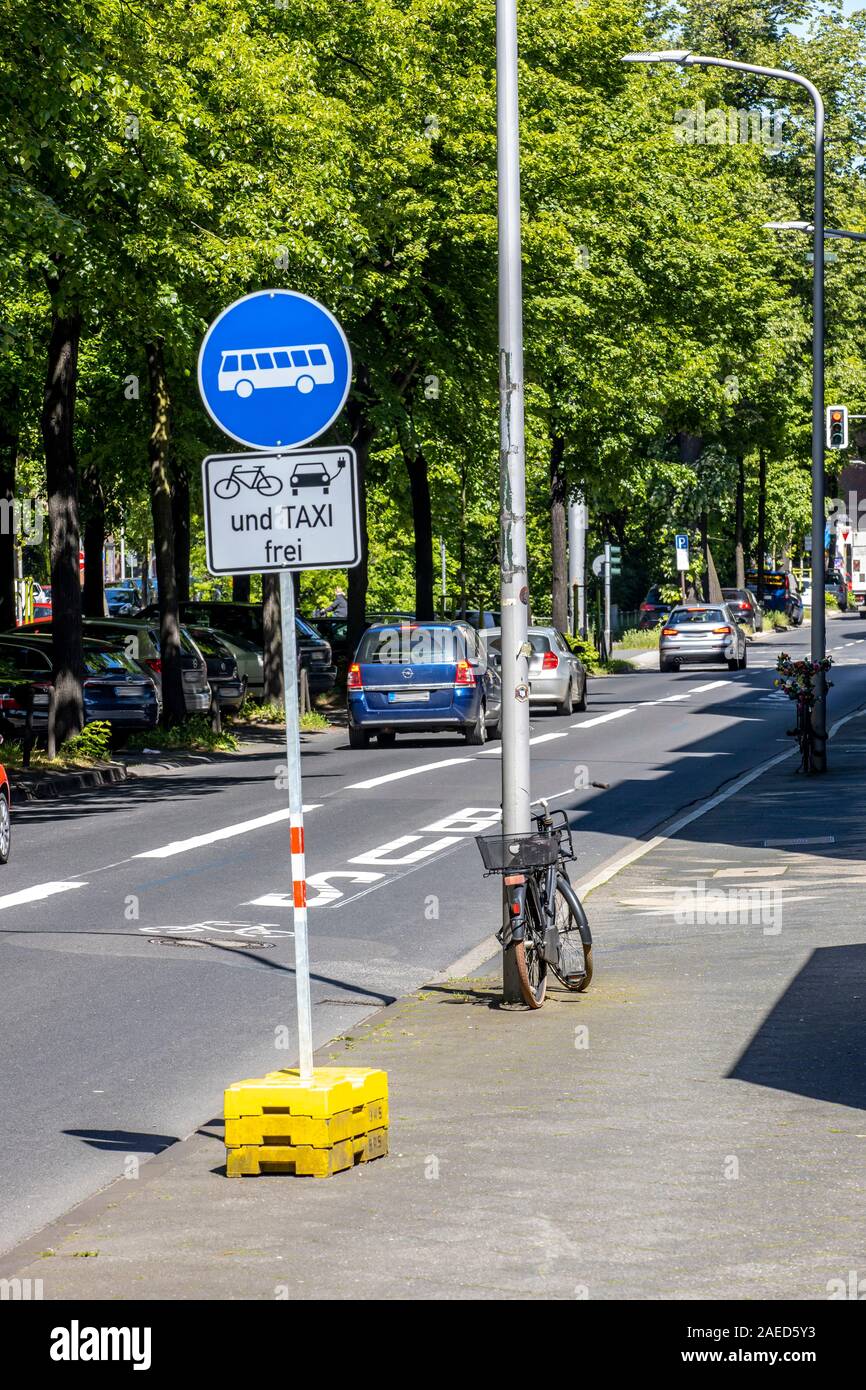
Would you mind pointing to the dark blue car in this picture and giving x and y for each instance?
(422, 677)
(115, 687)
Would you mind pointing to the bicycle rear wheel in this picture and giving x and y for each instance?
(531, 965)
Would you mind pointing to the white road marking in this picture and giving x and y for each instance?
(326, 891)
(396, 776)
(228, 832)
(712, 685)
(382, 854)
(472, 820)
(603, 718)
(37, 893)
(539, 738)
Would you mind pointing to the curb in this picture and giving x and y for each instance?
(32, 787)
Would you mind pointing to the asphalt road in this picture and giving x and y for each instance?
(146, 928)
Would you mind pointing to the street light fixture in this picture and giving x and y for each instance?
(808, 227)
(819, 631)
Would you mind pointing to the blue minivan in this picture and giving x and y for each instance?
(422, 677)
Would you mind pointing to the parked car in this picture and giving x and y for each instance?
(781, 593)
(248, 657)
(139, 639)
(335, 632)
(702, 633)
(422, 678)
(115, 687)
(556, 676)
(5, 817)
(654, 608)
(226, 682)
(122, 603)
(244, 620)
(745, 608)
(835, 584)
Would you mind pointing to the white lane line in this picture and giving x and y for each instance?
(603, 718)
(712, 685)
(36, 893)
(539, 738)
(396, 776)
(228, 832)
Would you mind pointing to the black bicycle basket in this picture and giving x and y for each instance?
(515, 853)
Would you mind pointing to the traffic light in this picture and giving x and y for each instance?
(615, 559)
(837, 427)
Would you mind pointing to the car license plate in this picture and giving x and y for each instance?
(127, 692)
(407, 697)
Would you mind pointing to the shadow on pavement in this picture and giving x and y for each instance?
(813, 1042)
(123, 1140)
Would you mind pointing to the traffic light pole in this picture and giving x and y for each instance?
(514, 594)
(607, 647)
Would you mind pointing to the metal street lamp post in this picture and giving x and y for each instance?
(514, 594)
(687, 59)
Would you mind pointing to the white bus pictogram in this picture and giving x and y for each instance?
(249, 369)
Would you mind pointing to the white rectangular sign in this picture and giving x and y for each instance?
(296, 511)
(682, 559)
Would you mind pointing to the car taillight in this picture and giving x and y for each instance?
(720, 630)
(550, 661)
(669, 632)
(646, 608)
(155, 664)
(464, 674)
(354, 681)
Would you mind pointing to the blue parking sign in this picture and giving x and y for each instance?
(682, 541)
(274, 369)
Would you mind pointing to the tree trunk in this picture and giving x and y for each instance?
(558, 548)
(422, 523)
(762, 521)
(61, 473)
(273, 639)
(173, 704)
(362, 437)
(181, 524)
(241, 588)
(704, 527)
(8, 460)
(93, 592)
(739, 520)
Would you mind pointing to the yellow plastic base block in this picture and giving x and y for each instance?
(294, 1130)
(331, 1091)
(303, 1160)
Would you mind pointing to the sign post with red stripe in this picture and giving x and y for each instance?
(296, 823)
(281, 508)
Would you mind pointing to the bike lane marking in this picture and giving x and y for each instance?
(37, 893)
(226, 832)
(406, 772)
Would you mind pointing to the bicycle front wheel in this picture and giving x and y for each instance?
(575, 955)
(528, 957)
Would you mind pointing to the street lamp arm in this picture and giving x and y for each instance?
(701, 60)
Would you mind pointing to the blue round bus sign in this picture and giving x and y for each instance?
(274, 370)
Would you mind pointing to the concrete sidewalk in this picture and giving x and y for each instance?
(690, 1127)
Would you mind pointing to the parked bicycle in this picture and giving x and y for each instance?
(547, 927)
(798, 680)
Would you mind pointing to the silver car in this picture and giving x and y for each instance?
(140, 640)
(556, 676)
(702, 634)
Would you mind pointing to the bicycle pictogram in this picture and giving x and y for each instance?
(254, 479)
